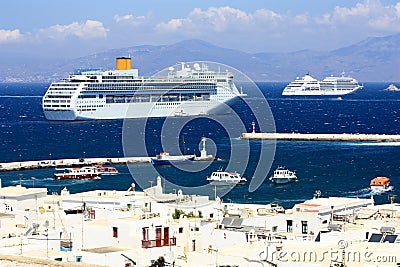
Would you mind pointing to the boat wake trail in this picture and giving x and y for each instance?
(376, 144)
(367, 192)
(379, 191)
(363, 192)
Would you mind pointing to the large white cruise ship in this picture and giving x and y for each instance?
(331, 85)
(122, 93)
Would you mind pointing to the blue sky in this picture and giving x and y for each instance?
(75, 28)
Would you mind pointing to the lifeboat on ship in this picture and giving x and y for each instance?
(380, 183)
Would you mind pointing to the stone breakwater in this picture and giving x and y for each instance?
(55, 163)
(322, 137)
(38, 164)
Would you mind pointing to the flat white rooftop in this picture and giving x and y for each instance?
(15, 191)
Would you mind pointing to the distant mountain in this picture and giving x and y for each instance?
(374, 59)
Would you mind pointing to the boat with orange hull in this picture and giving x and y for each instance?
(380, 183)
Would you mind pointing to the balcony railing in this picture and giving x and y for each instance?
(159, 242)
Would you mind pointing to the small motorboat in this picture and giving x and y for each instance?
(380, 183)
(225, 178)
(283, 176)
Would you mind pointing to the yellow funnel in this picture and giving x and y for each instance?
(123, 63)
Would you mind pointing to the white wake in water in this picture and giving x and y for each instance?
(376, 144)
(368, 192)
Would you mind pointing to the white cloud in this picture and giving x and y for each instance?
(174, 24)
(344, 13)
(371, 14)
(221, 19)
(258, 30)
(8, 36)
(265, 14)
(132, 20)
(301, 19)
(119, 18)
(397, 8)
(264, 28)
(91, 29)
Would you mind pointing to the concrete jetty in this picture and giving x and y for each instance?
(321, 137)
(54, 163)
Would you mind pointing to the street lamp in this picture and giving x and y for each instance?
(46, 224)
(20, 178)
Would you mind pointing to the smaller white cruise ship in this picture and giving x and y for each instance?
(330, 86)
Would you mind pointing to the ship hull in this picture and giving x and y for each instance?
(57, 115)
(226, 182)
(282, 180)
(319, 93)
(76, 177)
(172, 161)
(144, 110)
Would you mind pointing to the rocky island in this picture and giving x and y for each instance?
(392, 87)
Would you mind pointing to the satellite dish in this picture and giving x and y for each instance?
(171, 68)
(196, 66)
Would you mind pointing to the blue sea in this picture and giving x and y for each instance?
(335, 168)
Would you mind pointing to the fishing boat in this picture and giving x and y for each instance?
(164, 158)
(225, 178)
(106, 170)
(88, 172)
(283, 176)
(380, 183)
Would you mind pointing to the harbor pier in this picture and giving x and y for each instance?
(54, 163)
(345, 137)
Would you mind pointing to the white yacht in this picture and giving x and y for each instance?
(122, 93)
(283, 176)
(331, 85)
(225, 178)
